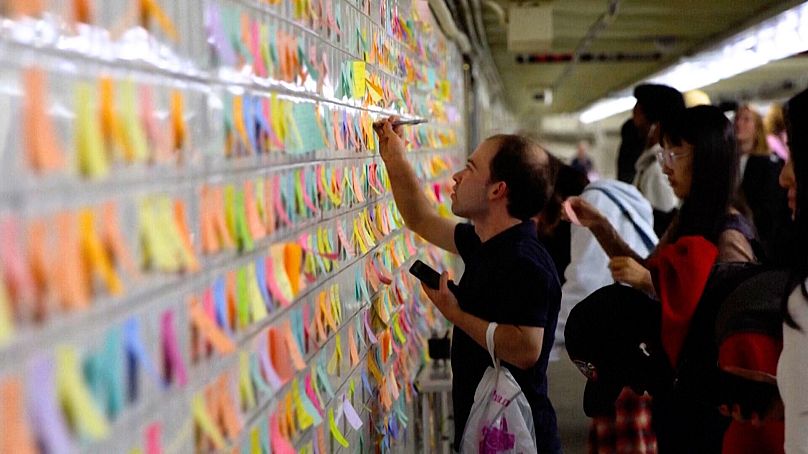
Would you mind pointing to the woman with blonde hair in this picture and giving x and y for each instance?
(760, 170)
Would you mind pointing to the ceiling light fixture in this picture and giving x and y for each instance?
(779, 37)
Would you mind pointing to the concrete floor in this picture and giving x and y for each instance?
(566, 393)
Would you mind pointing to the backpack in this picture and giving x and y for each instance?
(500, 420)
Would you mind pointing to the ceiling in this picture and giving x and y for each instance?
(654, 33)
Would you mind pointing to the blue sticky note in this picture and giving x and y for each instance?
(220, 302)
(261, 277)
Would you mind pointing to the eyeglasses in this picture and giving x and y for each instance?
(667, 158)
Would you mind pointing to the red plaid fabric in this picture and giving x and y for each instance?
(629, 431)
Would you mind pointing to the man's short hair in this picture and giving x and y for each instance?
(527, 172)
(659, 103)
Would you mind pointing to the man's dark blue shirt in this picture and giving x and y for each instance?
(510, 279)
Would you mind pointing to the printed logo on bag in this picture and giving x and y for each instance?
(496, 397)
(588, 369)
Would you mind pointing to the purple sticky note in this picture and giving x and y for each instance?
(46, 418)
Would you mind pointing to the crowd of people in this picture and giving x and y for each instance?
(680, 289)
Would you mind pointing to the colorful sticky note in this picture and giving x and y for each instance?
(76, 400)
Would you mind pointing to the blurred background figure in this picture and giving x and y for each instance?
(581, 162)
(776, 135)
(695, 98)
(764, 199)
(657, 105)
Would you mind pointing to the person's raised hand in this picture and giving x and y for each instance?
(391, 142)
(586, 214)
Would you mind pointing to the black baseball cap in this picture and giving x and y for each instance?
(613, 337)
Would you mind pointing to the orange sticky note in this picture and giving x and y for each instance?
(17, 436)
(185, 235)
(279, 354)
(257, 229)
(82, 11)
(293, 261)
(207, 223)
(113, 240)
(71, 279)
(31, 8)
(110, 127)
(98, 260)
(150, 9)
(209, 330)
(178, 120)
(43, 149)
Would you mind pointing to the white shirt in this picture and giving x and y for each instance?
(589, 265)
(653, 183)
(792, 375)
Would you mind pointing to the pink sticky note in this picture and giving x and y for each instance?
(153, 443)
(280, 445)
(173, 354)
(571, 213)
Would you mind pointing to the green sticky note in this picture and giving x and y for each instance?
(243, 235)
(242, 299)
(305, 118)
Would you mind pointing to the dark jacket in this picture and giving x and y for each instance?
(765, 198)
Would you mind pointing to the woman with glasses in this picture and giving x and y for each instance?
(700, 161)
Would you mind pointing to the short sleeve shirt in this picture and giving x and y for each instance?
(510, 279)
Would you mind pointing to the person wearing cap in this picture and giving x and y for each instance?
(701, 164)
(656, 105)
(509, 277)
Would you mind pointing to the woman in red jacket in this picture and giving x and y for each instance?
(701, 163)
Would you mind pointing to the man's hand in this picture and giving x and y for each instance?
(627, 271)
(444, 299)
(391, 142)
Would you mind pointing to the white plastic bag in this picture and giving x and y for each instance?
(500, 420)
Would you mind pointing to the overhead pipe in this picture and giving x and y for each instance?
(447, 23)
(603, 21)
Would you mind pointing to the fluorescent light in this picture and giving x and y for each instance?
(607, 108)
(779, 37)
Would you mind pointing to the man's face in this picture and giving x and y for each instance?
(470, 195)
(639, 118)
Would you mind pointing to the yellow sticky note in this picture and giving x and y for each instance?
(359, 74)
(92, 161)
(257, 307)
(205, 422)
(134, 136)
(157, 253)
(245, 382)
(335, 432)
(277, 254)
(75, 398)
(6, 324)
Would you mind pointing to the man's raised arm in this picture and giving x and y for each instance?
(418, 213)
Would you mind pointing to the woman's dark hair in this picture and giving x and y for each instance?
(797, 126)
(714, 173)
(521, 164)
(568, 182)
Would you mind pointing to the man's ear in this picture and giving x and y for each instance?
(499, 189)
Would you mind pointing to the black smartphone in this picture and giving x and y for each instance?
(425, 274)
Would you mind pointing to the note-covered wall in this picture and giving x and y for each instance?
(199, 249)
